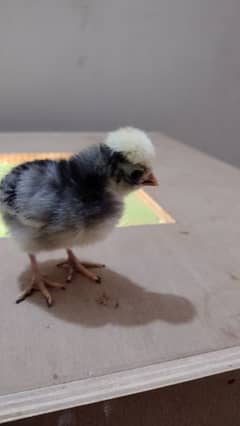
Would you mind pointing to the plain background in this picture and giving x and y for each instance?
(168, 65)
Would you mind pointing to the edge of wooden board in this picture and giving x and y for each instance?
(95, 389)
(159, 211)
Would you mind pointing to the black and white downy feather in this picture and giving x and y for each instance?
(57, 204)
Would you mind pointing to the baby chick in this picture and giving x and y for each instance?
(50, 205)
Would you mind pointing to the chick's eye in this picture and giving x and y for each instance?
(136, 175)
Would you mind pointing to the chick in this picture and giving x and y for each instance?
(62, 204)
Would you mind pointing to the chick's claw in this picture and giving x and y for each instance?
(26, 293)
(73, 266)
(93, 265)
(40, 283)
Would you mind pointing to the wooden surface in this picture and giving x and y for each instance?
(178, 289)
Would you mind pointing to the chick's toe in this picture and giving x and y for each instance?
(40, 283)
(73, 265)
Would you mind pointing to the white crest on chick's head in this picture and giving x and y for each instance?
(133, 143)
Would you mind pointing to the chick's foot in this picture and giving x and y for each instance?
(40, 283)
(73, 266)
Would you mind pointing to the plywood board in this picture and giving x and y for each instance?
(177, 289)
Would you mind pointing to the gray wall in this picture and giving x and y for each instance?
(170, 65)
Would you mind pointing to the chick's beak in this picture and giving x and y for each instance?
(150, 180)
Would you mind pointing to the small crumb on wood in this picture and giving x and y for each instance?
(105, 300)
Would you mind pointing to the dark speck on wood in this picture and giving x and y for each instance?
(81, 61)
(234, 277)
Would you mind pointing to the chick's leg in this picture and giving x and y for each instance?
(73, 265)
(39, 282)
